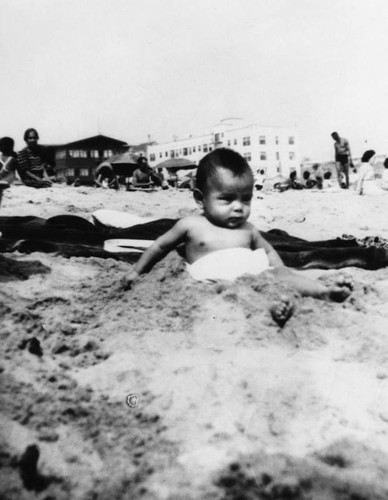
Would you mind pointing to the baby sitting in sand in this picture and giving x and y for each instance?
(220, 244)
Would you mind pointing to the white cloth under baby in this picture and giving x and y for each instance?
(228, 264)
(115, 218)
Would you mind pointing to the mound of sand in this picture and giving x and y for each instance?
(227, 405)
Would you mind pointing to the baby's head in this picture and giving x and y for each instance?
(386, 163)
(224, 187)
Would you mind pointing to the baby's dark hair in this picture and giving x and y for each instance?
(217, 159)
(28, 131)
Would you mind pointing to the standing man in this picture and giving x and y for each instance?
(343, 159)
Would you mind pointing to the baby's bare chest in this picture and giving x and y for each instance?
(215, 239)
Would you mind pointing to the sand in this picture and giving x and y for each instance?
(228, 405)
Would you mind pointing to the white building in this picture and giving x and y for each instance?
(274, 149)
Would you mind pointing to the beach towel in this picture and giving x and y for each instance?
(70, 235)
(229, 264)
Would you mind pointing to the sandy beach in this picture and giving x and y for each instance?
(230, 406)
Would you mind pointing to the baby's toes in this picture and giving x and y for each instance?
(282, 311)
(344, 282)
(340, 293)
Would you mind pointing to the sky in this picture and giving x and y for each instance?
(162, 68)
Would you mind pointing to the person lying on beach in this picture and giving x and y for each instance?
(221, 244)
(290, 183)
(317, 175)
(308, 182)
(328, 182)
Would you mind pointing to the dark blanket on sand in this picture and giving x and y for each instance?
(70, 235)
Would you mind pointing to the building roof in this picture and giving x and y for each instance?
(97, 142)
(142, 146)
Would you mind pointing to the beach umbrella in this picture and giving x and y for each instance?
(124, 164)
(187, 181)
(176, 164)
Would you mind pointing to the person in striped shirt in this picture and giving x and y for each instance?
(34, 168)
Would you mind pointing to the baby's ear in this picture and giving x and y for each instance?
(198, 197)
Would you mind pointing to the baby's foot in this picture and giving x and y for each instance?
(341, 289)
(282, 310)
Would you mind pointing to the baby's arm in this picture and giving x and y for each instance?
(259, 242)
(162, 246)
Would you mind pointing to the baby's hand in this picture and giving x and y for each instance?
(127, 281)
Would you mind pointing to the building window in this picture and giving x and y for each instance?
(291, 155)
(246, 141)
(276, 140)
(84, 172)
(229, 143)
(94, 153)
(60, 154)
(152, 157)
(205, 148)
(263, 155)
(199, 148)
(80, 154)
(277, 155)
(248, 156)
(210, 148)
(172, 153)
(262, 139)
(278, 170)
(160, 155)
(193, 149)
(185, 151)
(108, 153)
(217, 138)
(235, 142)
(291, 140)
(70, 172)
(166, 153)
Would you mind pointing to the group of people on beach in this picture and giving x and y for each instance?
(143, 177)
(32, 163)
(36, 168)
(364, 179)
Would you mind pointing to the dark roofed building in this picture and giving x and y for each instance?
(79, 159)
